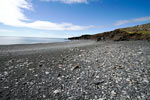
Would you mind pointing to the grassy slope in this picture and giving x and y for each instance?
(141, 29)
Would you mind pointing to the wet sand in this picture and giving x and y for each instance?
(76, 70)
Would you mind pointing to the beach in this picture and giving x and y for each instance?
(76, 70)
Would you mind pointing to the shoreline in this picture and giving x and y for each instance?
(42, 47)
(76, 70)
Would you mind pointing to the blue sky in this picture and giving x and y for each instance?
(67, 18)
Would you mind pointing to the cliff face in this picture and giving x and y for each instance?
(140, 32)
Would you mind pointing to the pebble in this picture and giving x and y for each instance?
(46, 73)
(44, 96)
(76, 67)
(118, 67)
(5, 73)
(36, 75)
(97, 76)
(98, 82)
(56, 91)
(86, 81)
(113, 93)
(145, 80)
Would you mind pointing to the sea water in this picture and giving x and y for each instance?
(6, 40)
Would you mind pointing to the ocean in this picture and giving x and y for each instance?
(6, 40)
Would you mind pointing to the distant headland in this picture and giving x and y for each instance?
(139, 32)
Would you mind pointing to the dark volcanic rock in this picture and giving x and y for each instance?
(120, 35)
(98, 82)
(116, 35)
(76, 67)
(81, 37)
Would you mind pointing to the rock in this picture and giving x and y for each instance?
(56, 91)
(11, 61)
(117, 67)
(145, 80)
(42, 61)
(46, 73)
(58, 75)
(120, 35)
(97, 76)
(36, 75)
(40, 65)
(75, 68)
(98, 82)
(5, 73)
(113, 93)
(31, 69)
(44, 96)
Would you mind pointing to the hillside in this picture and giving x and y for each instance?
(145, 28)
(139, 32)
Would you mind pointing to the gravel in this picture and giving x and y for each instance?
(76, 70)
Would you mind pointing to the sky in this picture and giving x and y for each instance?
(68, 18)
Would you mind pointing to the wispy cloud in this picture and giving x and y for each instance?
(122, 22)
(45, 25)
(68, 1)
(11, 14)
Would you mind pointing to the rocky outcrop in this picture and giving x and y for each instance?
(116, 35)
(81, 37)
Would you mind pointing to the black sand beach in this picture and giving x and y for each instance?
(76, 70)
